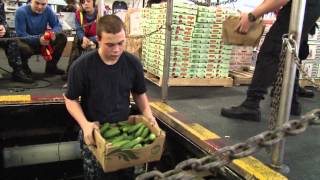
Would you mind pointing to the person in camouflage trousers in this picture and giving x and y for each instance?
(93, 170)
(11, 49)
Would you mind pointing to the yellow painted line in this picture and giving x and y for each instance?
(15, 98)
(257, 169)
(202, 132)
(164, 107)
(249, 167)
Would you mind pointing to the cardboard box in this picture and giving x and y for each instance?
(113, 159)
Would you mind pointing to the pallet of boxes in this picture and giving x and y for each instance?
(312, 64)
(128, 143)
(198, 56)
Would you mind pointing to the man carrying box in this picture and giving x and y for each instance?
(104, 79)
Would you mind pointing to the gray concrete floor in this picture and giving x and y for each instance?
(204, 104)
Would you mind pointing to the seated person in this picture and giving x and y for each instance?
(11, 49)
(85, 30)
(32, 20)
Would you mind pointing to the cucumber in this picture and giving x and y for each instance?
(145, 132)
(123, 123)
(125, 128)
(137, 146)
(121, 143)
(135, 127)
(130, 137)
(111, 133)
(140, 130)
(104, 127)
(132, 143)
(150, 138)
(119, 138)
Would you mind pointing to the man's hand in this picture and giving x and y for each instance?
(43, 41)
(244, 24)
(88, 132)
(153, 121)
(2, 30)
(85, 42)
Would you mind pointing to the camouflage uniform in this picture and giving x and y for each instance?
(92, 170)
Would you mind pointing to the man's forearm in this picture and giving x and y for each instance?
(268, 6)
(74, 108)
(143, 104)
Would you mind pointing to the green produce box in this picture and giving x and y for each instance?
(114, 158)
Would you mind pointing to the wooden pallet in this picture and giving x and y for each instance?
(304, 82)
(241, 77)
(225, 82)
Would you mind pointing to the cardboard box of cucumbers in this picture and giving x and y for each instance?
(126, 144)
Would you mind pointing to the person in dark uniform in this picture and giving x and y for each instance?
(11, 49)
(104, 79)
(268, 57)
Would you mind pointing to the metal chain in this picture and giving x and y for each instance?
(277, 84)
(225, 155)
(288, 44)
(145, 35)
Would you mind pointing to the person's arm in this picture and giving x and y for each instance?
(79, 29)
(54, 21)
(75, 109)
(143, 104)
(265, 7)
(21, 26)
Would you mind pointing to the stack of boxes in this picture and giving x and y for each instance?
(241, 57)
(312, 64)
(197, 50)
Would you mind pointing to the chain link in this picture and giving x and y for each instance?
(226, 154)
(288, 44)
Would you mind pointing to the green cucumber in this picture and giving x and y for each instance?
(119, 138)
(121, 143)
(132, 143)
(150, 138)
(124, 123)
(137, 146)
(140, 130)
(104, 127)
(145, 132)
(135, 127)
(111, 133)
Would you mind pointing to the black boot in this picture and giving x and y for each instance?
(26, 69)
(248, 110)
(53, 70)
(307, 93)
(19, 75)
(295, 109)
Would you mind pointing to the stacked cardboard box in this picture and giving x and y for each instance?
(197, 50)
(312, 64)
(241, 57)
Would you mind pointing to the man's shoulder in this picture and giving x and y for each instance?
(83, 60)
(131, 58)
(22, 9)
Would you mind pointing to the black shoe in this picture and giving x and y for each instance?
(26, 69)
(295, 109)
(305, 93)
(242, 112)
(64, 77)
(54, 71)
(20, 76)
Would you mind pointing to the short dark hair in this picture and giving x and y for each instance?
(109, 24)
